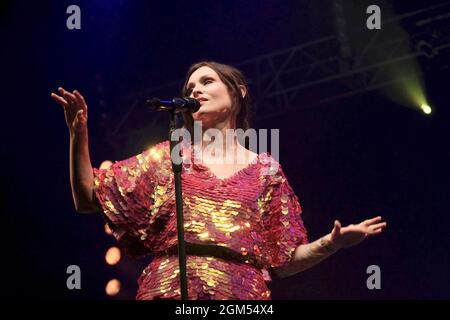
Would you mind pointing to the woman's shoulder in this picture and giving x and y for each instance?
(157, 150)
(271, 169)
(270, 161)
(155, 153)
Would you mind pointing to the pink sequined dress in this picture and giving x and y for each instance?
(235, 228)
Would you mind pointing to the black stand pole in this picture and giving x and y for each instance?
(176, 167)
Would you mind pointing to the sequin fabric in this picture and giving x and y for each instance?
(248, 223)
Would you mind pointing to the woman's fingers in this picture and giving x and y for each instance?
(337, 228)
(372, 221)
(77, 97)
(70, 97)
(74, 101)
(375, 232)
(378, 226)
(59, 99)
(62, 91)
(75, 108)
(80, 100)
(337, 224)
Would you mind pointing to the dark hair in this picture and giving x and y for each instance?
(232, 78)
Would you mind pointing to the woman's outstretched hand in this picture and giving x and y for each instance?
(353, 234)
(75, 109)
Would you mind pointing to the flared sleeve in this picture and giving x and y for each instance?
(130, 193)
(282, 219)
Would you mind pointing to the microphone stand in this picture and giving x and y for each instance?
(179, 205)
(177, 104)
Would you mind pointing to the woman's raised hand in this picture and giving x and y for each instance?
(75, 109)
(343, 237)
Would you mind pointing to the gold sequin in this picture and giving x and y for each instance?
(111, 207)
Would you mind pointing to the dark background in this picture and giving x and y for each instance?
(350, 158)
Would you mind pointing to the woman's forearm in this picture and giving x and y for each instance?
(81, 173)
(307, 255)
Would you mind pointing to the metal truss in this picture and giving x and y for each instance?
(315, 72)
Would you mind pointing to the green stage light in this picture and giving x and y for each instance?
(426, 108)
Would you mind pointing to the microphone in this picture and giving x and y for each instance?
(175, 105)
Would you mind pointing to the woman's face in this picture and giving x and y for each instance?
(215, 102)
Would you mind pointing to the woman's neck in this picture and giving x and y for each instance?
(219, 141)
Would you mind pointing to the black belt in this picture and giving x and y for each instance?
(221, 252)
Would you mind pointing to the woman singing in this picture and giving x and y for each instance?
(242, 220)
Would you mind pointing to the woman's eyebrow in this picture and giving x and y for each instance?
(190, 84)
